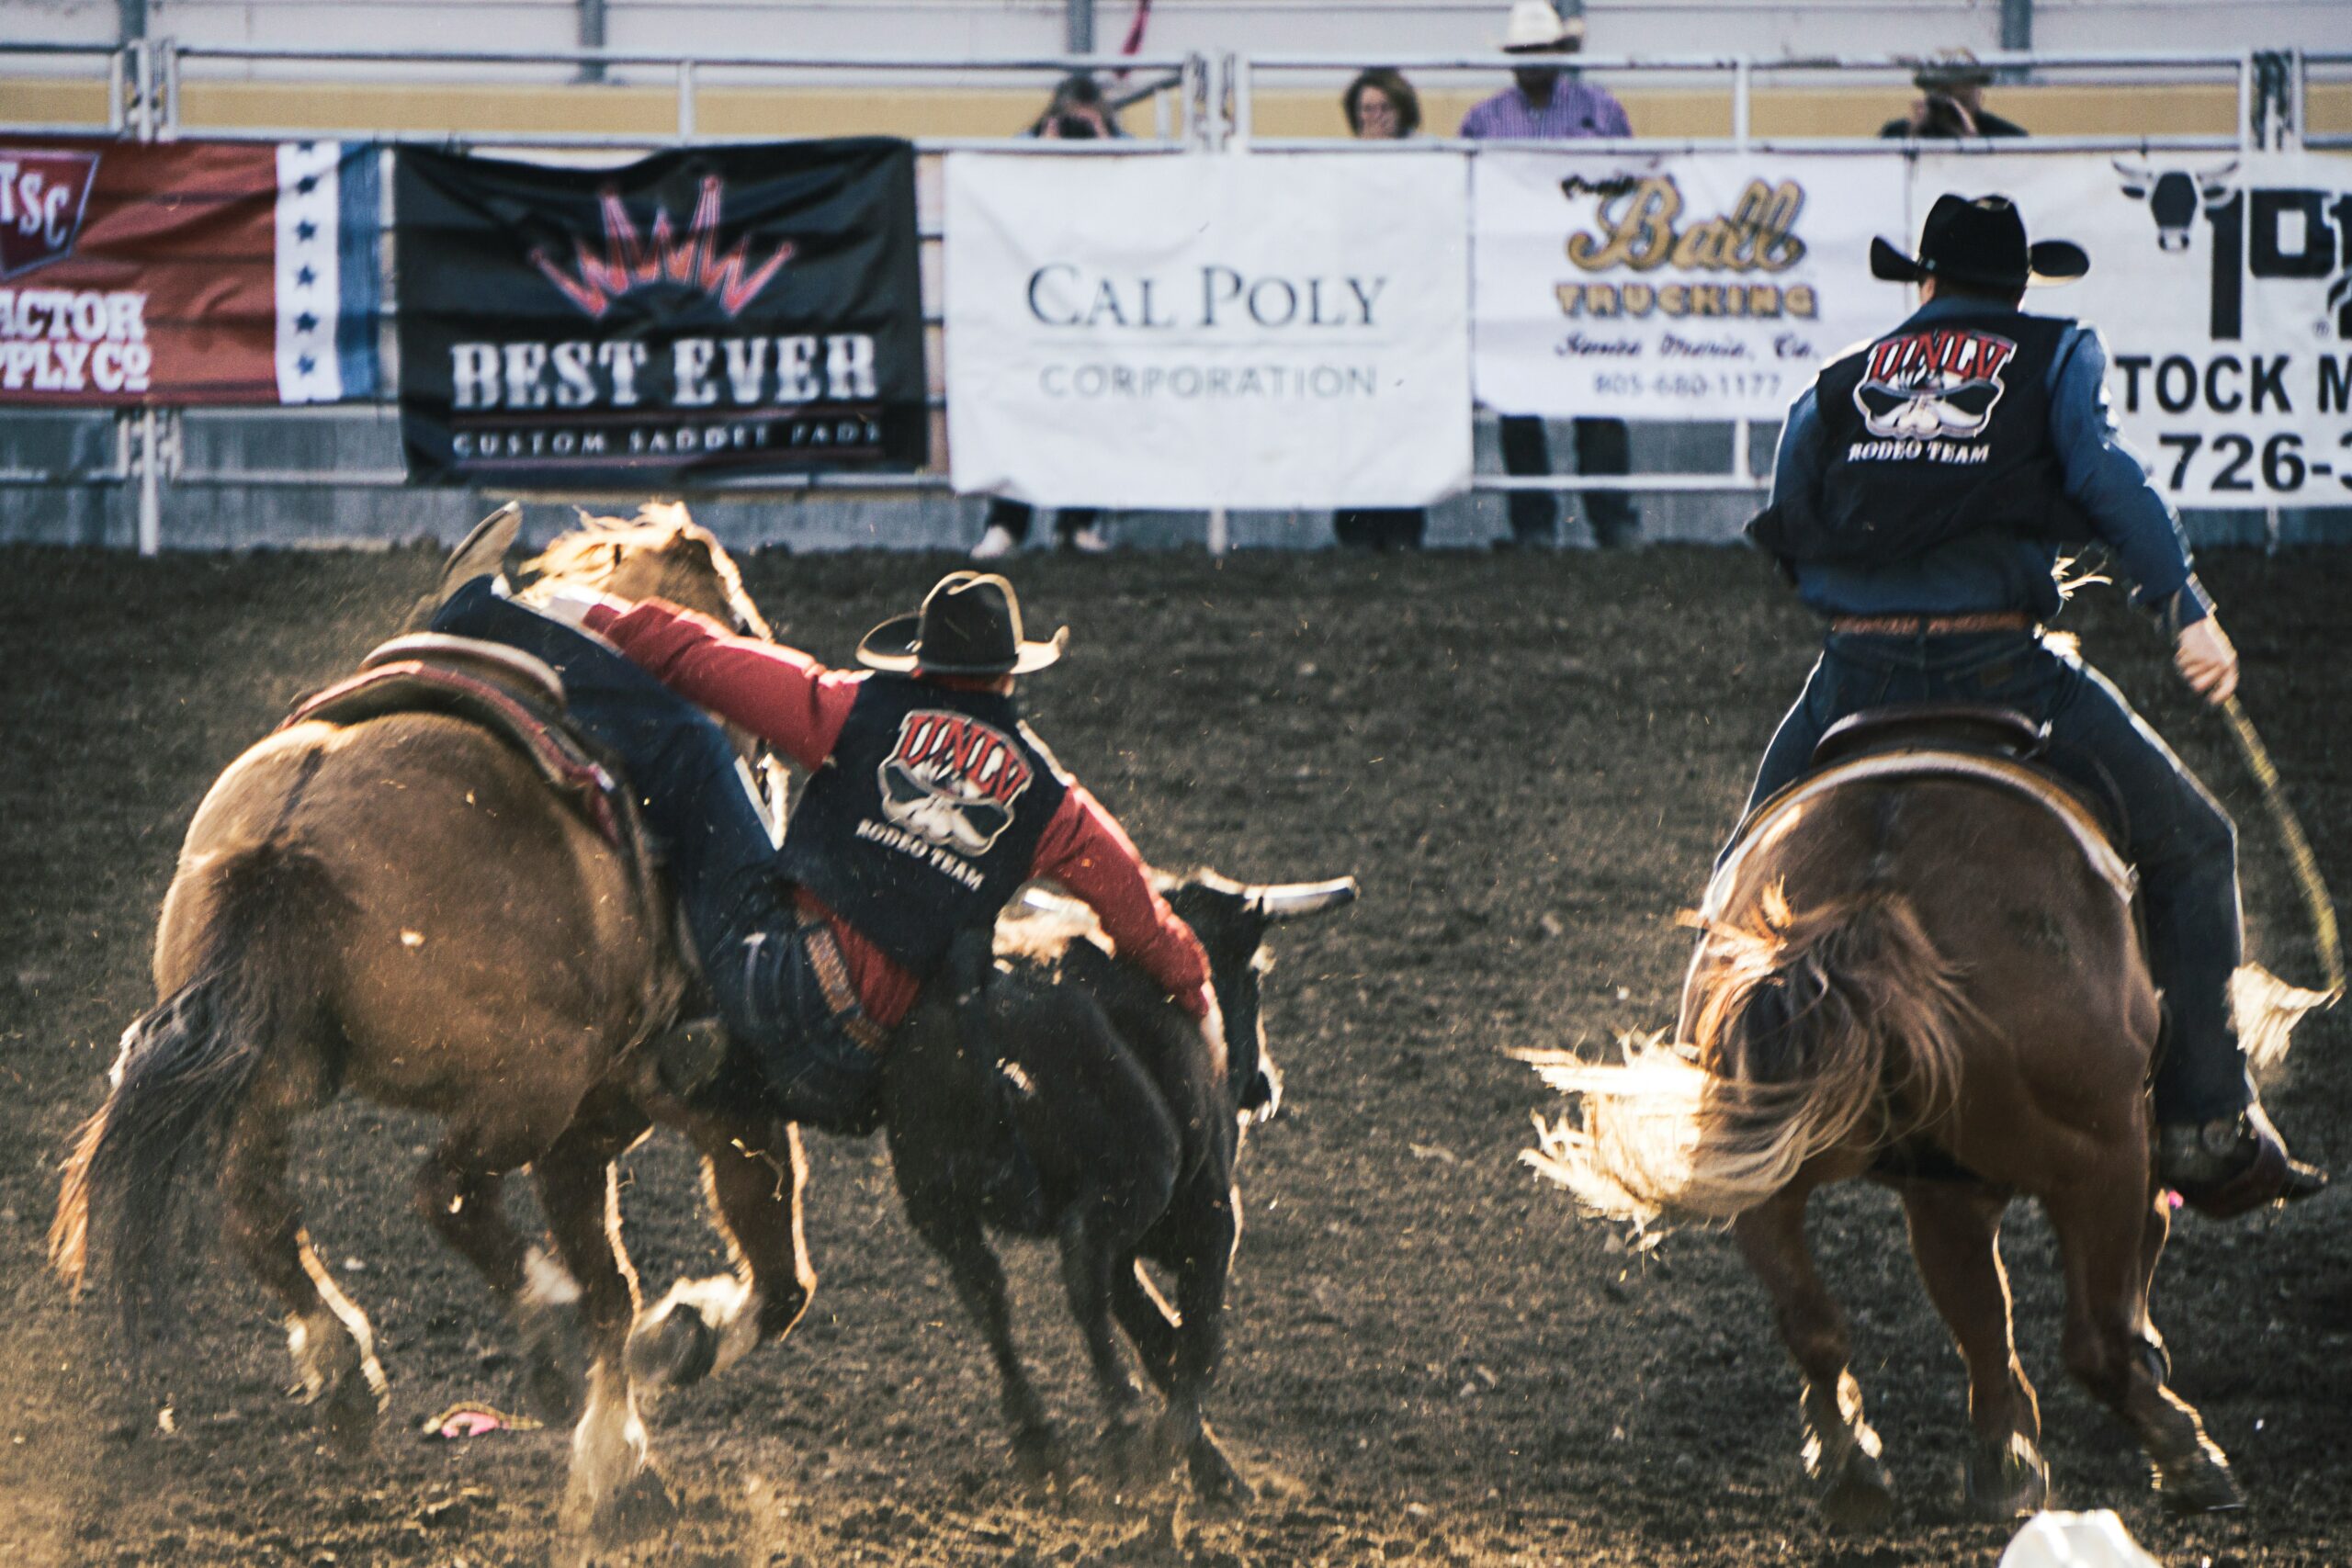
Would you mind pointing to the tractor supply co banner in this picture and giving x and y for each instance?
(1268, 331)
(186, 272)
(2223, 288)
(715, 314)
(1704, 286)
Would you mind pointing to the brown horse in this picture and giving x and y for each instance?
(401, 907)
(1936, 983)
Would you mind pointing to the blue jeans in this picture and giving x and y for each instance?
(1602, 447)
(2176, 835)
(692, 794)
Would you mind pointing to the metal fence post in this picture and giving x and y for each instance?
(2246, 141)
(166, 124)
(150, 482)
(685, 100)
(142, 88)
(117, 77)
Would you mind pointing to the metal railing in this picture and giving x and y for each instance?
(1201, 104)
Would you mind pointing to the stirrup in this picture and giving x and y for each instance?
(2231, 1165)
(689, 1054)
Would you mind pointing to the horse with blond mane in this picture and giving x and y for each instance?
(1928, 975)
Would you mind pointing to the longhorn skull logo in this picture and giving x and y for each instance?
(2175, 196)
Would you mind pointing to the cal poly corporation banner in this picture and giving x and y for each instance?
(715, 315)
(1658, 286)
(1260, 330)
(186, 272)
(2223, 286)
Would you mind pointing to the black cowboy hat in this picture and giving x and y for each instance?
(969, 625)
(1982, 242)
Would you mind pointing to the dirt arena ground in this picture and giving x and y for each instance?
(1528, 760)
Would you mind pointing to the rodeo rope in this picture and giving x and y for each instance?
(2298, 847)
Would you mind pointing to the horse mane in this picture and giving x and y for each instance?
(588, 555)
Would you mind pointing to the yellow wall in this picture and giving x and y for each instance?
(829, 111)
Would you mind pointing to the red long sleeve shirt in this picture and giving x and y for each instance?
(799, 706)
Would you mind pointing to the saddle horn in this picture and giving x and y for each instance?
(1296, 900)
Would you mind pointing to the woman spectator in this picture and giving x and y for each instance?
(1381, 106)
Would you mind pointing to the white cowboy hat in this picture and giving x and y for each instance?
(1535, 27)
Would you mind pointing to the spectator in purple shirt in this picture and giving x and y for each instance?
(1549, 103)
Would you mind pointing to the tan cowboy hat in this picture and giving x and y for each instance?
(1535, 27)
(969, 625)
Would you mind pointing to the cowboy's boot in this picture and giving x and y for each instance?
(2224, 1168)
(482, 553)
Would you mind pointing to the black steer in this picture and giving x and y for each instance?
(1058, 1092)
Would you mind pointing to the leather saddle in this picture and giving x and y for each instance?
(1967, 726)
(514, 696)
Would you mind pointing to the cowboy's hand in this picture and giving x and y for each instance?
(2206, 660)
(1211, 1028)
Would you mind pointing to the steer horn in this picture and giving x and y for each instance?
(1292, 900)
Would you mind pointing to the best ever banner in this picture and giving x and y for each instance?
(2223, 286)
(1699, 287)
(186, 272)
(1261, 330)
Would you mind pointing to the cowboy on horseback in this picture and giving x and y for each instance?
(1923, 486)
(930, 803)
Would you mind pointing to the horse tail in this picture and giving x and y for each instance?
(182, 1070)
(1809, 1028)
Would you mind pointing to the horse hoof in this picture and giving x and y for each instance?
(1037, 1457)
(551, 1390)
(347, 1412)
(1215, 1479)
(2006, 1483)
(673, 1350)
(1861, 1495)
(641, 1507)
(2204, 1486)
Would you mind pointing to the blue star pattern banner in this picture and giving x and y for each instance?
(329, 280)
(188, 272)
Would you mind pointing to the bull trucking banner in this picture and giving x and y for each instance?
(1701, 286)
(186, 272)
(2223, 288)
(715, 314)
(1268, 331)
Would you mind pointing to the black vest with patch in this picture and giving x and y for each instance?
(925, 819)
(1931, 432)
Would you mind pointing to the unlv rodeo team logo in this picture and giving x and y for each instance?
(1933, 385)
(952, 780)
(41, 197)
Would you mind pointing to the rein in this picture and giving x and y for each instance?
(2298, 847)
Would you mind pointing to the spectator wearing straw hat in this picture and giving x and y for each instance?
(1550, 103)
(1952, 102)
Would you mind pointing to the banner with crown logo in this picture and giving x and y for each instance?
(711, 316)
